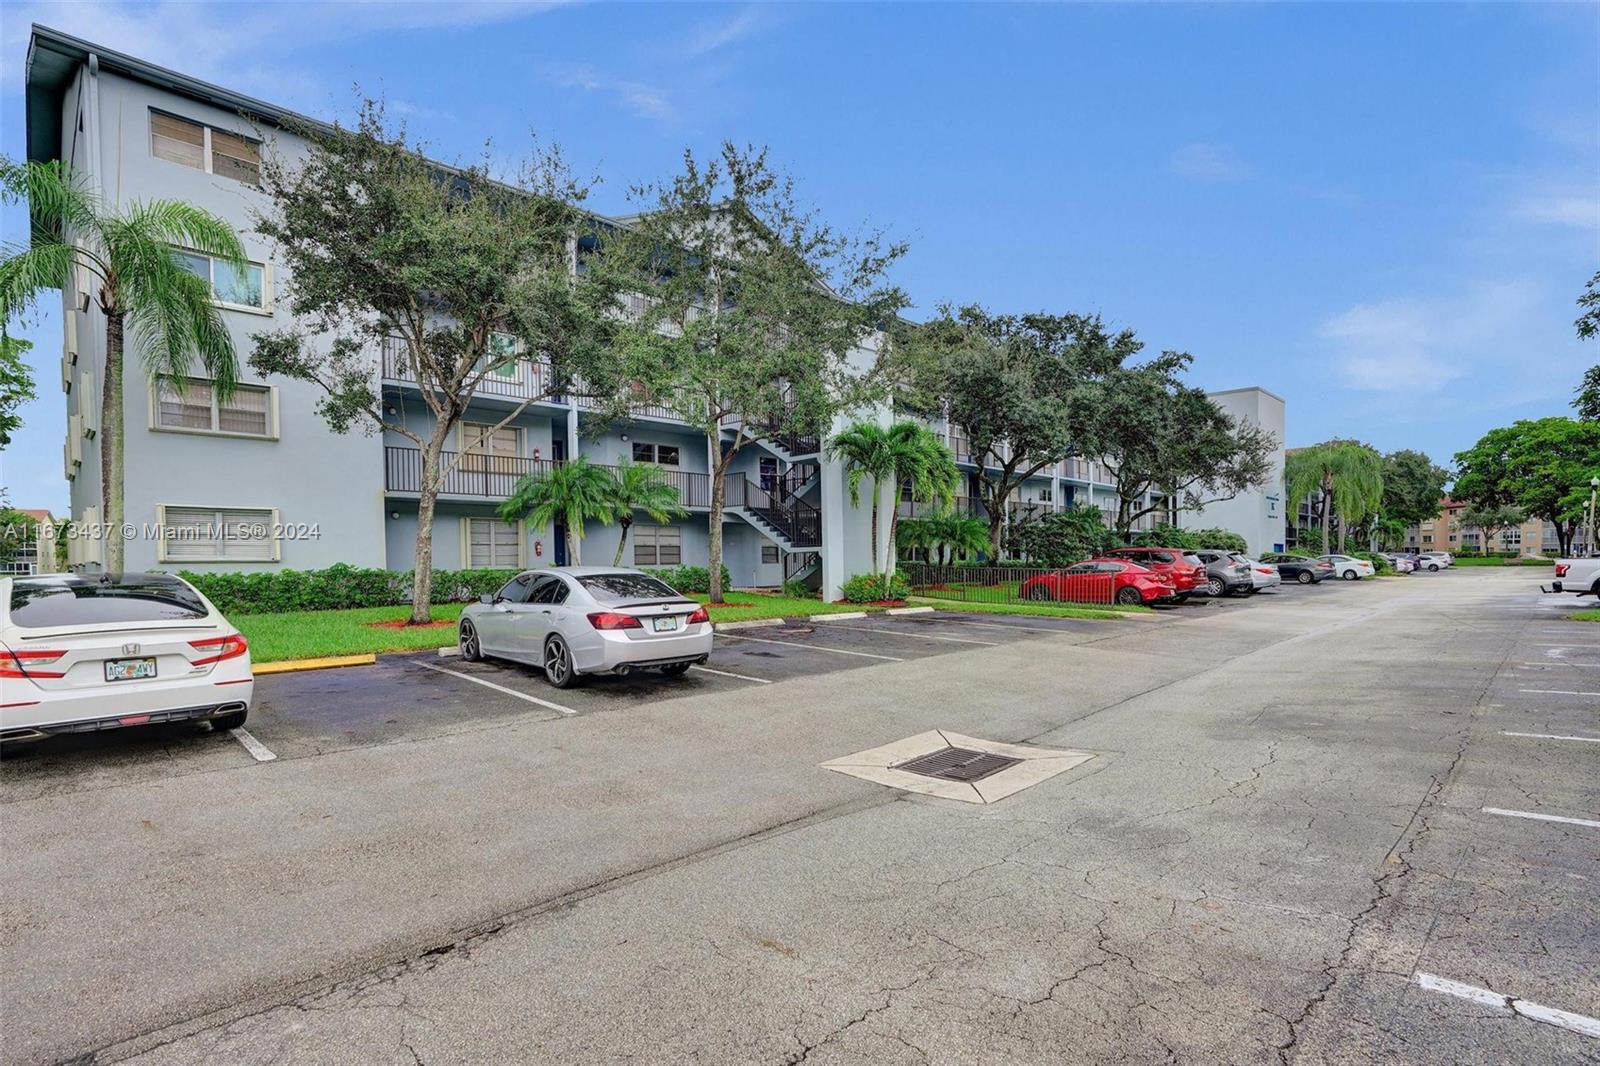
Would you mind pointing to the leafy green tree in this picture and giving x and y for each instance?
(1062, 538)
(1412, 486)
(1391, 532)
(17, 530)
(140, 284)
(641, 487)
(1346, 477)
(1492, 519)
(949, 534)
(1019, 389)
(571, 493)
(905, 453)
(461, 276)
(1539, 466)
(16, 384)
(1165, 443)
(756, 314)
(1587, 400)
(1588, 323)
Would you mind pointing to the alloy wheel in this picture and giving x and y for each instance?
(557, 667)
(468, 639)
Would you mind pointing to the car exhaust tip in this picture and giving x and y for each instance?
(624, 670)
(20, 736)
(228, 708)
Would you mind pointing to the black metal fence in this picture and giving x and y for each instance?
(1010, 584)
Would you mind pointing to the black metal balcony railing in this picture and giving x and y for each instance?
(965, 505)
(477, 474)
(522, 380)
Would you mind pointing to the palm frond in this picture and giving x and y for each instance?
(58, 200)
(30, 269)
(174, 320)
(177, 223)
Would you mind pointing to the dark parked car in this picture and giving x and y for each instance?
(1226, 575)
(1188, 573)
(1298, 568)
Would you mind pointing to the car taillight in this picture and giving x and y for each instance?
(1263, 570)
(700, 615)
(27, 663)
(613, 620)
(1562, 568)
(230, 647)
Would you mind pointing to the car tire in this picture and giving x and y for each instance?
(467, 642)
(1039, 592)
(675, 669)
(558, 668)
(1306, 577)
(224, 722)
(1350, 575)
(1215, 588)
(1129, 597)
(1182, 597)
(1433, 568)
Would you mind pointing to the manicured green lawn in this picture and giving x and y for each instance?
(1041, 610)
(1482, 560)
(1585, 616)
(315, 634)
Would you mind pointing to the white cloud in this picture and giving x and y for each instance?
(1416, 345)
(1204, 161)
(714, 35)
(646, 101)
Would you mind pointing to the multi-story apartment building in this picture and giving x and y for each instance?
(1446, 531)
(260, 482)
(1257, 514)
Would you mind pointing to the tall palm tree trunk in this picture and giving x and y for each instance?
(624, 523)
(111, 438)
(1327, 510)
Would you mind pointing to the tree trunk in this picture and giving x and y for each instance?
(624, 522)
(1341, 536)
(719, 497)
(111, 438)
(574, 543)
(1327, 513)
(427, 496)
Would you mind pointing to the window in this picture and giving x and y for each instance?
(493, 544)
(486, 449)
(1044, 493)
(248, 412)
(202, 147)
(245, 288)
(71, 600)
(769, 552)
(657, 546)
(549, 589)
(502, 355)
(515, 590)
(665, 454)
(218, 534)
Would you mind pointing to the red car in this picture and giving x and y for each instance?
(1099, 581)
(1187, 572)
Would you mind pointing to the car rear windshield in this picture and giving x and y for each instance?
(41, 604)
(614, 588)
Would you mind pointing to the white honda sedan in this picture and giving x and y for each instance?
(1349, 567)
(84, 652)
(576, 620)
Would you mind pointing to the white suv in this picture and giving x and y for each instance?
(84, 652)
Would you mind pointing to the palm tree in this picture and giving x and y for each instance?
(1345, 476)
(904, 453)
(960, 534)
(570, 493)
(139, 281)
(641, 487)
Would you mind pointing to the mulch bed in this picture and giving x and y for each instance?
(875, 603)
(443, 623)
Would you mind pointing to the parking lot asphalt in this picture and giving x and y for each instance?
(1321, 825)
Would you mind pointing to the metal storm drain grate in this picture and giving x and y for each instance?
(958, 764)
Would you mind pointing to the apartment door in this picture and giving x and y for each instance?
(490, 457)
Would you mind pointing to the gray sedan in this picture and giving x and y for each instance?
(576, 620)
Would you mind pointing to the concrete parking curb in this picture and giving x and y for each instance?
(752, 623)
(290, 666)
(909, 610)
(839, 616)
(450, 651)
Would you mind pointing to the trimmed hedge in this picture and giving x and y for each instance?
(689, 578)
(339, 587)
(870, 588)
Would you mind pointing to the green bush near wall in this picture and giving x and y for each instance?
(689, 578)
(339, 587)
(873, 588)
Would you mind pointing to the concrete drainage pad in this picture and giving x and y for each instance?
(952, 766)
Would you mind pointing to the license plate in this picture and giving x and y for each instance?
(665, 625)
(129, 669)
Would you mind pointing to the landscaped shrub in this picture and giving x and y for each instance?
(870, 588)
(1219, 540)
(1063, 537)
(1380, 565)
(799, 590)
(339, 587)
(688, 578)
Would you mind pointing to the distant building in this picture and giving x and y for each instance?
(1256, 514)
(35, 554)
(1445, 531)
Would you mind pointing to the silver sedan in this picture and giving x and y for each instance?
(576, 620)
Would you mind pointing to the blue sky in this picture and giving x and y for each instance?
(1383, 213)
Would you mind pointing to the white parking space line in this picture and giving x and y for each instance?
(1559, 691)
(258, 751)
(729, 673)
(500, 688)
(1534, 815)
(1001, 625)
(1563, 662)
(913, 633)
(811, 647)
(1549, 736)
(1537, 644)
(1538, 1012)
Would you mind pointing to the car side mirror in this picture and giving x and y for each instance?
(486, 598)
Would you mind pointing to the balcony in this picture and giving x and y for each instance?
(522, 380)
(970, 506)
(481, 476)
